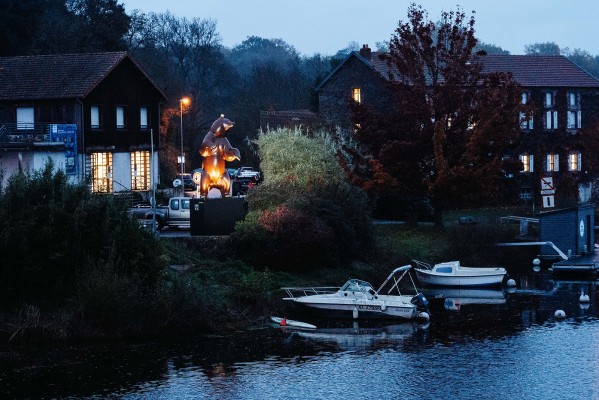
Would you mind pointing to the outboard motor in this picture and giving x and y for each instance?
(420, 301)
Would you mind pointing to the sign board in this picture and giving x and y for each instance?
(67, 134)
(547, 183)
(548, 201)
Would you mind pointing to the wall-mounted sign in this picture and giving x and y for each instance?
(548, 201)
(67, 134)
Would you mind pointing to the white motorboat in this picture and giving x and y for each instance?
(358, 299)
(451, 273)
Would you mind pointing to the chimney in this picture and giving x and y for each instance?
(366, 52)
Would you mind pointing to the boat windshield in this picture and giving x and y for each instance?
(356, 285)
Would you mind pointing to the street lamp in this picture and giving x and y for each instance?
(184, 101)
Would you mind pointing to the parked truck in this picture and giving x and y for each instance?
(175, 214)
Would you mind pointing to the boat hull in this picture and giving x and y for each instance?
(357, 310)
(431, 278)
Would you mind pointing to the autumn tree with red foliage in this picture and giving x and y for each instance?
(452, 123)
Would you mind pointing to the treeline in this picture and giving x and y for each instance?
(185, 57)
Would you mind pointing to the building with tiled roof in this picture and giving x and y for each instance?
(274, 119)
(564, 96)
(95, 115)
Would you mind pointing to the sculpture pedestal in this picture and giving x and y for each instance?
(210, 217)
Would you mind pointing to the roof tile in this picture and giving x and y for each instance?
(54, 76)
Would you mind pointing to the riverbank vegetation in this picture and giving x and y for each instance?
(74, 265)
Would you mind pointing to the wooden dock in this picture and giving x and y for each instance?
(582, 265)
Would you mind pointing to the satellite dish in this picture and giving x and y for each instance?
(177, 182)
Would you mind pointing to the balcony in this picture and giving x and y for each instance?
(24, 133)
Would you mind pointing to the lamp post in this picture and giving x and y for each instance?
(153, 194)
(183, 101)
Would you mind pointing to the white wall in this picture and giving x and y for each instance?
(121, 172)
(30, 161)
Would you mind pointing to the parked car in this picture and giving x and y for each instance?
(175, 214)
(186, 180)
(247, 172)
(232, 172)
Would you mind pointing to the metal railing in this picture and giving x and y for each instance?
(24, 132)
(295, 292)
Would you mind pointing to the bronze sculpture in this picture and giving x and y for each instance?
(216, 149)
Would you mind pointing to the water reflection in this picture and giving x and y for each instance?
(480, 344)
(455, 298)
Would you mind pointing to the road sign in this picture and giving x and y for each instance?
(547, 183)
(546, 192)
(548, 201)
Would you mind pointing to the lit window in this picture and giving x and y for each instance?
(574, 161)
(143, 117)
(101, 171)
(94, 117)
(140, 170)
(356, 95)
(25, 118)
(552, 162)
(120, 117)
(527, 162)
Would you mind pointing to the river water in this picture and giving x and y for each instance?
(479, 344)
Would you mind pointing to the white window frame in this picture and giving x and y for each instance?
(143, 118)
(140, 170)
(94, 117)
(120, 117)
(101, 170)
(549, 99)
(551, 120)
(574, 161)
(25, 118)
(552, 162)
(574, 113)
(526, 122)
(527, 162)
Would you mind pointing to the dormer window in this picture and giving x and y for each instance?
(357, 95)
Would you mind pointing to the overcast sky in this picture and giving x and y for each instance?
(326, 26)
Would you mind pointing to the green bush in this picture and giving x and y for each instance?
(51, 227)
(305, 215)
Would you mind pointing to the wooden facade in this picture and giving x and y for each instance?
(103, 101)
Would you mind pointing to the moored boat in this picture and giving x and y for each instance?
(358, 299)
(451, 273)
(284, 322)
